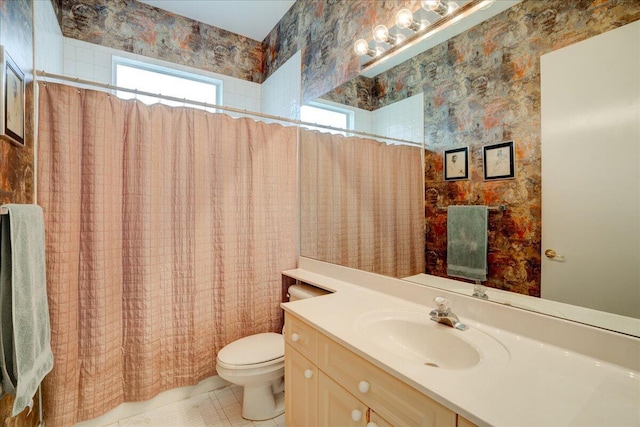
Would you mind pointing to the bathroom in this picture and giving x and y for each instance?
(317, 35)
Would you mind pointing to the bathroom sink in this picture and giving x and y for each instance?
(412, 336)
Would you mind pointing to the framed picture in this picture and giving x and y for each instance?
(456, 164)
(12, 100)
(499, 161)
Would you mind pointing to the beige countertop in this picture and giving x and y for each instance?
(519, 381)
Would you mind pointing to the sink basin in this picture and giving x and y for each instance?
(412, 336)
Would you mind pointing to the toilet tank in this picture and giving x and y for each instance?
(302, 291)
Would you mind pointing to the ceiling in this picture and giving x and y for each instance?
(250, 18)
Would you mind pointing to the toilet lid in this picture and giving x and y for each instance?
(253, 349)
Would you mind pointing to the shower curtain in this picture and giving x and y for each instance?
(362, 203)
(166, 232)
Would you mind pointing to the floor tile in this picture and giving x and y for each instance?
(217, 408)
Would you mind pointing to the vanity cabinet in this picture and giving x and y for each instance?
(301, 385)
(329, 385)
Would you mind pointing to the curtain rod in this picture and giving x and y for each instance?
(47, 75)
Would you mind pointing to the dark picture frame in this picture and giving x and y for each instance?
(456, 164)
(12, 88)
(499, 161)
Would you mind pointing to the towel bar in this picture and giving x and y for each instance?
(491, 208)
(4, 211)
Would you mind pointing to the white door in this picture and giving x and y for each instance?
(591, 172)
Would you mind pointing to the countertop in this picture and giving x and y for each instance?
(519, 381)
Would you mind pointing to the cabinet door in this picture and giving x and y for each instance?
(301, 390)
(337, 407)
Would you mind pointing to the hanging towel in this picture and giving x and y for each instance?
(467, 242)
(26, 356)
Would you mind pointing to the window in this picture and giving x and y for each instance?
(327, 115)
(166, 81)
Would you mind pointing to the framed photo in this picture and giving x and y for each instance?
(456, 164)
(12, 99)
(499, 161)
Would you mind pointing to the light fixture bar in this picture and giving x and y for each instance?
(442, 23)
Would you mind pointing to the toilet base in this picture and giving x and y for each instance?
(260, 403)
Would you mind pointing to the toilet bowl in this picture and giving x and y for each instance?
(256, 362)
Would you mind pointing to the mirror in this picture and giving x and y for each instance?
(479, 88)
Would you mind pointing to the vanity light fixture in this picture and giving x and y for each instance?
(449, 12)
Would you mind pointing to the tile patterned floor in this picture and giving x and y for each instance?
(218, 408)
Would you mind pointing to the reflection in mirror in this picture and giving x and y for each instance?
(361, 198)
(479, 88)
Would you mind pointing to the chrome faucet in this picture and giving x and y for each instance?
(442, 314)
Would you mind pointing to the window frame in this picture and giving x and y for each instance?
(349, 114)
(169, 71)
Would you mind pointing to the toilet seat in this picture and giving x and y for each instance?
(253, 351)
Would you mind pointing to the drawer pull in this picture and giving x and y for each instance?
(364, 386)
(356, 415)
(372, 424)
(295, 337)
(308, 374)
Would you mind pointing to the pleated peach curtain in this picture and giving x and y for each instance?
(166, 232)
(362, 203)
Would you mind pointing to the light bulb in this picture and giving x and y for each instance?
(452, 7)
(400, 38)
(430, 4)
(361, 47)
(380, 34)
(379, 50)
(404, 18)
(434, 6)
(424, 23)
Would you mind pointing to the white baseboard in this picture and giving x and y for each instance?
(131, 409)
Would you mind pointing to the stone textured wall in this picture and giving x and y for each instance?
(483, 87)
(145, 30)
(324, 31)
(16, 163)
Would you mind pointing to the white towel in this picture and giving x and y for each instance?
(26, 356)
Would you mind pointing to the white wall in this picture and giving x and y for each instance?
(281, 92)
(48, 38)
(403, 119)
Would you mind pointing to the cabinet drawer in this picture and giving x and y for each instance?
(393, 400)
(301, 337)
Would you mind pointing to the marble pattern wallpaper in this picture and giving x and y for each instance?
(16, 162)
(324, 31)
(138, 28)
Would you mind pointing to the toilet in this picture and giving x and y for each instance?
(256, 362)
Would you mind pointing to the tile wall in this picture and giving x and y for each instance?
(88, 61)
(281, 91)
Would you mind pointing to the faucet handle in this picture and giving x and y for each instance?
(441, 303)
